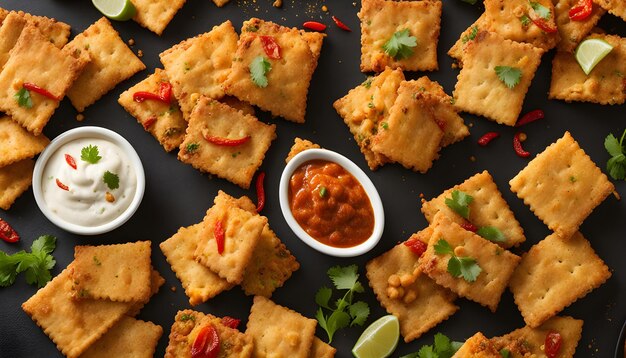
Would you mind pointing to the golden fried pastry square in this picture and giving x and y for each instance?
(237, 104)
(10, 31)
(73, 325)
(573, 31)
(381, 19)
(477, 346)
(562, 186)
(279, 331)
(237, 163)
(199, 282)
(111, 63)
(199, 65)
(496, 264)
(614, 7)
(15, 179)
(487, 209)
(300, 145)
(480, 91)
(156, 281)
(155, 15)
(603, 85)
(407, 293)
(115, 272)
(555, 273)
(410, 135)
(16, 143)
(456, 51)
(320, 349)
(366, 106)
(55, 31)
(164, 121)
(3, 14)
(127, 338)
(35, 60)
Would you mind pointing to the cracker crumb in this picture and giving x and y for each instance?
(324, 8)
(80, 117)
(140, 53)
(277, 3)
(472, 158)
(131, 42)
(173, 288)
(522, 137)
(616, 195)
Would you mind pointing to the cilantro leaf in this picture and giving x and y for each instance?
(8, 271)
(427, 352)
(465, 267)
(510, 76)
(322, 297)
(36, 265)
(321, 319)
(359, 311)
(336, 321)
(90, 154)
(469, 268)
(505, 353)
(616, 166)
(443, 348)
(442, 247)
(259, 67)
(472, 34)
(542, 11)
(612, 145)
(400, 45)
(45, 244)
(491, 233)
(454, 266)
(344, 278)
(459, 203)
(442, 343)
(22, 97)
(111, 180)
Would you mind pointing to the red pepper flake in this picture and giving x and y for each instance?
(34, 88)
(206, 344)
(165, 91)
(231, 322)
(271, 47)
(62, 186)
(581, 11)
(416, 246)
(530, 117)
(487, 138)
(544, 25)
(7, 233)
(441, 124)
(314, 25)
(225, 141)
(220, 236)
(552, 344)
(469, 226)
(517, 145)
(148, 123)
(165, 94)
(340, 24)
(260, 192)
(70, 161)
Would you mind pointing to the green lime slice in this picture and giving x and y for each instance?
(590, 52)
(379, 339)
(120, 10)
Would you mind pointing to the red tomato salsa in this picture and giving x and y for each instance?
(330, 204)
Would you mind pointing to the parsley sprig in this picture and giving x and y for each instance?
(617, 164)
(443, 348)
(36, 264)
(90, 154)
(259, 67)
(400, 45)
(343, 312)
(465, 267)
(510, 76)
(22, 97)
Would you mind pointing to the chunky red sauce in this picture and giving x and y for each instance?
(330, 204)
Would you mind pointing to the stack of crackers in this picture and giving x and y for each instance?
(252, 257)
(88, 309)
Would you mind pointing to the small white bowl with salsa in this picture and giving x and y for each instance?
(331, 204)
(88, 181)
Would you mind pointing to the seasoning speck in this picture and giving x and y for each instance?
(80, 117)
(131, 42)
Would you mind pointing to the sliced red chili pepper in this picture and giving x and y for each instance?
(581, 11)
(206, 344)
(220, 236)
(260, 192)
(417, 246)
(552, 344)
(340, 24)
(225, 141)
(487, 138)
(230, 322)
(517, 145)
(148, 123)
(70, 161)
(530, 117)
(469, 226)
(62, 186)
(142, 96)
(7, 233)
(34, 88)
(165, 94)
(271, 47)
(544, 25)
(165, 91)
(314, 25)
(441, 124)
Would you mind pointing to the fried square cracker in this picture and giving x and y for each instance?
(320, 349)
(220, 3)
(236, 164)
(477, 346)
(188, 324)
(199, 65)
(35, 60)
(487, 209)
(156, 281)
(410, 136)
(155, 15)
(199, 282)
(604, 84)
(14, 181)
(55, 31)
(279, 331)
(300, 145)
(479, 90)
(529, 341)
(115, 272)
(614, 7)
(497, 265)
(73, 325)
(380, 19)
(3, 14)
(16, 143)
(10, 31)
(111, 63)
(573, 31)
(562, 186)
(127, 338)
(456, 51)
(237, 104)
(366, 106)
(164, 121)
(554, 274)
(423, 304)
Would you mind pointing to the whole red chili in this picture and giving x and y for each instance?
(530, 117)
(581, 11)
(34, 88)
(417, 246)
(314, 25)
(260, 192)
(340, 24)
(230, 322)
(225, 141)
(7, 233)
(469, 226)
(271, 47)
(206, 344)
(552, 344)
(148, 123)
(517, 145)
(487, 138)
(70, 161)
(61, 185)
(220, 236)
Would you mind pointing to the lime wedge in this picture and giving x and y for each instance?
(379, 339)
(120, 10)
(590, 52)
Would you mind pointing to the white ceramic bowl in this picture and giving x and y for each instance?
(372, 193)
(89, 132)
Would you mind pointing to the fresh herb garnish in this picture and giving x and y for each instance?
(192, 147)
(465, 267)
(541, 11)
(491, 233)
(505, 353)
(323, 192)
(443, 348)
(472, 34)
(22, 97)
(259, 67)
(385, 125)
(368, 82)
(400, 45)
(187, 317)
(251, 28)
(344, 313)
(460, 203)
(617, 164)
(96, 261)
(36, 265)
(509, 75)
(90, 154)
(111, 180)
(525, 20)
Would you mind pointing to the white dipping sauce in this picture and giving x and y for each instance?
(85, 202)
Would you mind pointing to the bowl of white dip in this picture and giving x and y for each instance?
(89, 181)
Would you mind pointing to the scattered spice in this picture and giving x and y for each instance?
(139, 53)
(80, 117)
(131, 42)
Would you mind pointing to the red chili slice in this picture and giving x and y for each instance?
(225, 141)
(544, 25)
(581, 11)
(148, 123)
(487, 138)
(165, 94)
(62, 186)
(230, 322)
(165, 91)
(469, 226)
(34, 88)
(260, 192)
(314, 25)
(530, 117)
(417, 246)
(517, 145)
(70, 161)
(340, 24)
(206, 344)
(271, 47)
(7, 233)
(441, 124)
(552, 344)
(220, 236)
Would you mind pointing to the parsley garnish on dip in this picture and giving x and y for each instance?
(89, 182)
